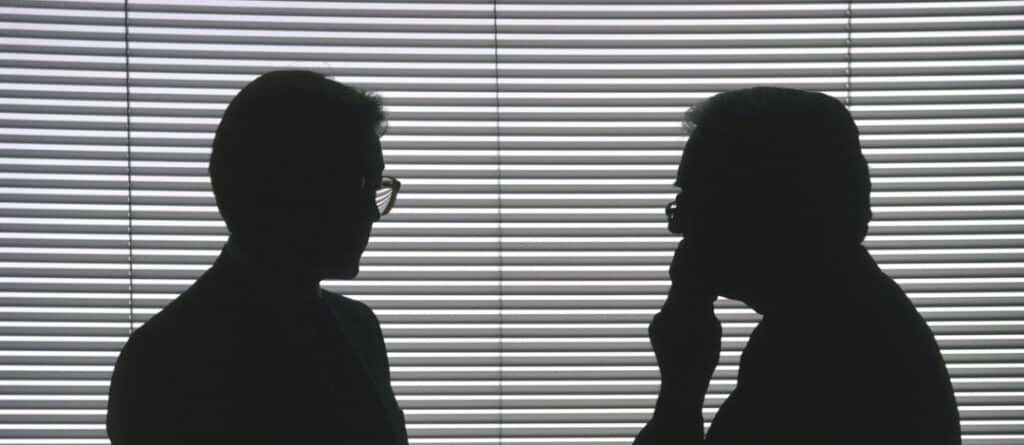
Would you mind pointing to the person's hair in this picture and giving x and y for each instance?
(788, 156)
(277, 132)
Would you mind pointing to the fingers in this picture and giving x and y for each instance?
(691, 278)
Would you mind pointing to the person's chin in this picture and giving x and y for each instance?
(734, 291)
(341, 270)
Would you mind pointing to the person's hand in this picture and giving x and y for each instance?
(685, 334)
(693, 282)
(687, 346)
(686, 338)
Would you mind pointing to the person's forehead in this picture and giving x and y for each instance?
(372, 154)
(686, 166)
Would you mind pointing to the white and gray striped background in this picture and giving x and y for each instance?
(537, 143)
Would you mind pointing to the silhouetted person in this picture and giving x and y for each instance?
(773, 208)
(255, 352)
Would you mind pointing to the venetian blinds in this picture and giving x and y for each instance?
(536, 142)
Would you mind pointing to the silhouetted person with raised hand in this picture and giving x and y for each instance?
(255, 352)
(773, 208)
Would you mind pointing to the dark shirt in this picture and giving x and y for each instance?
(232, 360)
(867, 371)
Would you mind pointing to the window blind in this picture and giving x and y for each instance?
(537, 143)
(64, 215)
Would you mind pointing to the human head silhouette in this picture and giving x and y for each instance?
(295, 163)
(771, 179)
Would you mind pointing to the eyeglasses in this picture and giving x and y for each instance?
(387, 194)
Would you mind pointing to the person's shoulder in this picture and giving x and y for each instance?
(160, 331)
(347, 304)
(179, 312)
(349, 309)
(892, 315)
(189, 316)
(363, 330)
(150, 350)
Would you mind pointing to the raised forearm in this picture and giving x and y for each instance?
(686, 338)
(678, 414)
